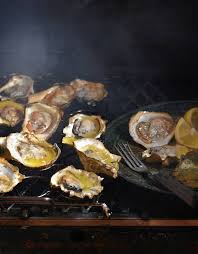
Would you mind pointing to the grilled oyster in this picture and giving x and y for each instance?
(56, 95)
(83, 126)
(9, 176)
(11, 112)
(151, 129)
(164, 154)
(88, 91)
(30, 151)
(77, 182)
(41, 120)
(18, 86)
(95, 157)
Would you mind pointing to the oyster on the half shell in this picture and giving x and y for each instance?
(88, 91)
(30, 151)
(77, 182)
(57, 95)
(9, 176)
(18, 86)
(151, 129)
(41, 120)
(11, 113)
(96, 158)
(83, 126)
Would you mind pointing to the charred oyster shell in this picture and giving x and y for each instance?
(11, 113)
(41, 120)
(57, 95)
(32, 152)
(18, 86)
(151, 129)
(9, 176)
(88, 91)
(96, 158)
(77, 182)
(83, 126)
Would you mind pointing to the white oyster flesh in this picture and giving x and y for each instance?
(18, 86)
(151, 129)
(162, 151)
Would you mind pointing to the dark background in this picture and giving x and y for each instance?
(144, 51)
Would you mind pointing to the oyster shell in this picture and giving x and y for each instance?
(41, 120)
(9, 176)
(151, 129)
(11, 112)
(18, 86)
(88, 91)
(77, 182)
(56, 95)
(30, 151)
(164, 154)
(95, 157)
(83, 126)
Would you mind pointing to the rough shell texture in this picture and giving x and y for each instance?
(18, 86)
(96, 158)
(77, 182)
(81, 125)
(88, 91)
(41, 120)
(32, 152)
(151, 129)
(9, 176)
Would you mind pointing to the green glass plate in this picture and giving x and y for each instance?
(118, 130)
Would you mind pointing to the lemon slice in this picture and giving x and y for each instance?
(182, 150)
(191, 117)
(186, 135)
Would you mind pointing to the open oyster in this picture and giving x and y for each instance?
(83, 126)
(88, 91)
(151, 129)
(57, 95)
(95, 157)
(11, 112)
(77, 182)
(41, 120)
(9, 176)
(30, 151)
(164, 154)
(18, 86)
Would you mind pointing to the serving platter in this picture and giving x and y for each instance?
(118, 130)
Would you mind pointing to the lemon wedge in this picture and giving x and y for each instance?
(186, 135)
(191, 117)
(182, 150)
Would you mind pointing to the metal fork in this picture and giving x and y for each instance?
(168, 182)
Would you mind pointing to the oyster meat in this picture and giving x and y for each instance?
(9, 176)
(77, 182)
(83, 126)
(164, 154)
(187, 170)
(88, 91)
(18, 86)
(96, 158)
(151, 129)
(30, 151)
(11, 113)
(41, 120)
(57, 95)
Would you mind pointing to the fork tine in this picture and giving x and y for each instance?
(138, 161)
(122, 153)
(128, 156)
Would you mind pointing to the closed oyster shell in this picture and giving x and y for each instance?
(88, 91)
(96, 158)
(57, 95)
(41, 120)
(11, 113)
(83, 126)
(32, 152)
(18, 86)
(77, 182)
(9, 176)
(151, 129)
